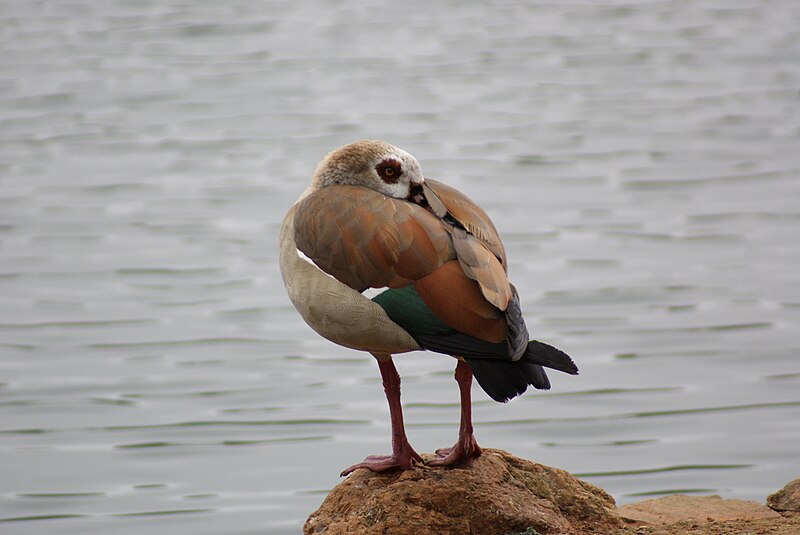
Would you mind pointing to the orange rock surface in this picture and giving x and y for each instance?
(678, 508)
(497, 494)
(786, 499)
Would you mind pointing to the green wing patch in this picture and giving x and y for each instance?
(405, 307)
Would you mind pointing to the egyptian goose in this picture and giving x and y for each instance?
(369, 220)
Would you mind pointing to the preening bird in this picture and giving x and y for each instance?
(368, 222)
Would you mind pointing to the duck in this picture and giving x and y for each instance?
(375, 257)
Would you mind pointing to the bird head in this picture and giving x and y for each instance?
(376, 165)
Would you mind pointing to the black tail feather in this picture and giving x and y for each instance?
(503, 380)
(550, 357)
(536, 376)
(468, 346)
(498, 375)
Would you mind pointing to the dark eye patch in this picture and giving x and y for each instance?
(389, 170)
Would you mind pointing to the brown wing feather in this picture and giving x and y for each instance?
(364, 239)
(477, 244)
(480, 265)
(457, 300)
(472, 216)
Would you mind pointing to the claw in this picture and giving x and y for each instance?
(403, 460)
(464, 450)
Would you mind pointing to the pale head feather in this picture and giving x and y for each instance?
(356, 165)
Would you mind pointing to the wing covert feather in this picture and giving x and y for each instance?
(475, 239)
(471, 216)
(364, 239)
(480, 265)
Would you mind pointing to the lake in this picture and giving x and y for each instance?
(641, 161)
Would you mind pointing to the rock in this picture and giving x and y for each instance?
(786, 499)
(496, 494)
(702, 509)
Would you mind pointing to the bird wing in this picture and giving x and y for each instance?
(475, 239)
(471, 216)
(365, 239)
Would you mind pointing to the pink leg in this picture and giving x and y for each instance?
(403, 455)
(465, 447)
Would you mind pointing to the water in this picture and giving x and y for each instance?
(639, 158)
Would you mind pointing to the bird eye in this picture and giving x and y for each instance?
(389, 171)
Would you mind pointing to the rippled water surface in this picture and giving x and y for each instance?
(639, 158)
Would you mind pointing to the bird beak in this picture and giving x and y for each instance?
(421, 194)
(416, 194)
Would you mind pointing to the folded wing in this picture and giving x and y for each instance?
(478, 247)
(452, 255)
(365, 239)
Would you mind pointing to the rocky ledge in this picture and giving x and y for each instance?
(499, 494)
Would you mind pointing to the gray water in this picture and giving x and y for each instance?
(641, 160)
